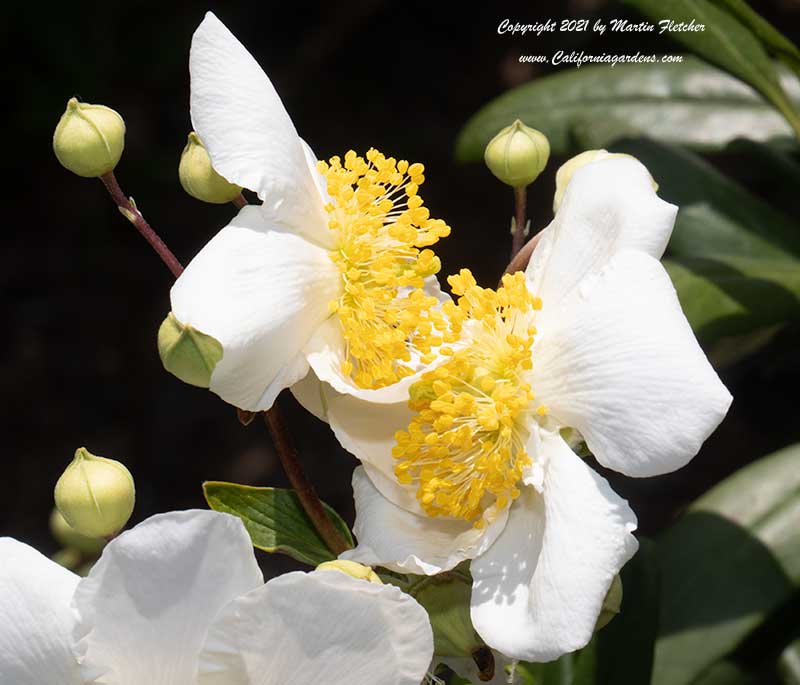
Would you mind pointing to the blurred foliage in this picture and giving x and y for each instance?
(691, 103)
(726, 42)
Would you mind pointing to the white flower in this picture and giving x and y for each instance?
(180, 600)
(332, 270)
(591, 343)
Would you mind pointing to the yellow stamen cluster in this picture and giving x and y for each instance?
(465, 446)
(381, 225)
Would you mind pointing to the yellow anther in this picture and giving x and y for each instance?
(381, 228)
(464, 448)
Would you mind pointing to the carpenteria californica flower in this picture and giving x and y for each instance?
(332, 270)
(589, 344)
(180, 600)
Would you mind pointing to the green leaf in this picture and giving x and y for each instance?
(772, 39)
(726, 43)
(773, 172)
(789, 664)
(622, 652)
(691, 103)
(733, 558)
(735, 296)
(558, 672)
(724, 673)
(275, 519)
(717, 215)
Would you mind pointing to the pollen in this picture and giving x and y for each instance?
(383, 232)
(464, 448)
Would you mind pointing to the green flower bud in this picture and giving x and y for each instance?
(95, 495)
(611, 604)
(351, 568)
(447, 602)
(567, 170)
(187, 353)
(198, 177)
(517, 155)
(71, 539)
(69, 558)
(89, 139)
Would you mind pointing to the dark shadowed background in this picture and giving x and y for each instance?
(83, 296)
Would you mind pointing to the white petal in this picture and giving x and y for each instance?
(538, 590)
(412, 543)
(309, 392)
(147, 604)
(609, 205)
(36, 621)
(248, 134)
(319, 182)
(622, 365)
(260, 292)
(367, 430)
(319, 627)
(325, 352)
(467, 668)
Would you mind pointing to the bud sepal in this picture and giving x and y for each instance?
(89, 139)
(95, 495)
(517, 155)
(199, 178)
(187, 353)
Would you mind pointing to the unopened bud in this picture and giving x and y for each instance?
(95, 495)
(448, 605)
(71, 539)
(89, 139)
(611, 604)
(567, 170)
(199, 178)
(188, 353)
(351, 568)
(517, 155)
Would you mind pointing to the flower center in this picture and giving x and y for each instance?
(465, 445)
(381, 225)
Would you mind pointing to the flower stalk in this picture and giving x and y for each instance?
(300, 482)
(275, 423)
(132, 214)
(520, 229)
(519, 261)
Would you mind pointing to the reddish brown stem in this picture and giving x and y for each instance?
(133, 215)
(277, 428)
(302, 486)
(520, 205)
(520, 260)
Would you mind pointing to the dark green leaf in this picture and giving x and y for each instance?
(726, 43)
(728, 562)
(772, 39)
(735, 296)
(724, 673)
(275, 519)
(789, 664)
(691, 103)
(717, 215)
(559, 672)
(623, 650)
(772, 172)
